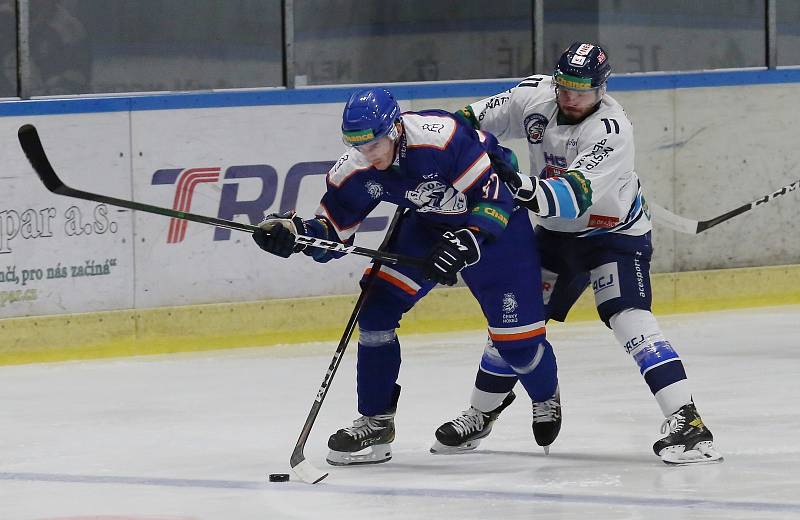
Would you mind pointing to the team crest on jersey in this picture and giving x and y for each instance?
(374, 189)
(534, 127)
(436, 197)
(509, 303)
(510, 306)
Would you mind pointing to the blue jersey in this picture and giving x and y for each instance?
(441, 171)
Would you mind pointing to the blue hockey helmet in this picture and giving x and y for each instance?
(583, 66)
(368, 115)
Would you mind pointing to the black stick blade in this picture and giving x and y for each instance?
(34, 151)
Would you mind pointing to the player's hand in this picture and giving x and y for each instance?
(276, 234)
(521, 186)
(454, 251)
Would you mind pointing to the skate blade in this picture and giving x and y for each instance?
(441, 449)
(546, 450)
(372, 455)
(702, 453)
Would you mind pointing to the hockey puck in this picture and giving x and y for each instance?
(279, 477)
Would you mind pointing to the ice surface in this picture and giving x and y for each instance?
(194, 436)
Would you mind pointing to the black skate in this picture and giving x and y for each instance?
(689, 441)
(547, 421)
(465, 432)
(368, 441)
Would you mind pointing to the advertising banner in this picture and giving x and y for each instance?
(61, 255)
(236, 164)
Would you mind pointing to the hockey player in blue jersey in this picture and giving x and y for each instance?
(593, 230)
(462, 221)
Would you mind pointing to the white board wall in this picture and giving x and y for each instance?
(700, 152)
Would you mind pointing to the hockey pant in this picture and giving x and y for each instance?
(511, 304)
(617, 268)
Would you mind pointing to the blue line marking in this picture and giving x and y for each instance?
(257, 97)
(338, 95)
(476, 494)
(720, 78)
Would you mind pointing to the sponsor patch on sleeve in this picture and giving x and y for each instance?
(492, 213)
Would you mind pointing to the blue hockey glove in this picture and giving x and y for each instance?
(277, 232)
(455, 251)
(521, 186)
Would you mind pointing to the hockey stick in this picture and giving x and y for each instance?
(693, 227)
(298, 462)
(32, 146)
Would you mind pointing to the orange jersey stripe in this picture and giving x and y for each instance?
(394, 281)
(517, 336)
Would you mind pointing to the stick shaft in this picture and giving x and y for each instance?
(298, 461)
(32, 146)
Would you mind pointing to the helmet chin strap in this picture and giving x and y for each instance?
(395, 134)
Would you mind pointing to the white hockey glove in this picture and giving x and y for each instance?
(521, 186)
(454, 251)
(277, 232)
(524, 187)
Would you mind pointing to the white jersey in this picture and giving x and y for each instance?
(589, 183)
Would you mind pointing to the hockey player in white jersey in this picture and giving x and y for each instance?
(593, 228)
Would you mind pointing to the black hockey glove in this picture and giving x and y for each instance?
(455, 251)
(521, 186)
(277, 232)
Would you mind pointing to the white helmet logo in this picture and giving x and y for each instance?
(578, 61)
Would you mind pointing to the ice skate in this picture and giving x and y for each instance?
(368, 441)
(689, 440)
(464, 433)
(547, 421)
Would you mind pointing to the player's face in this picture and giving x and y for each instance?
(576, 104)
(380, 152)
